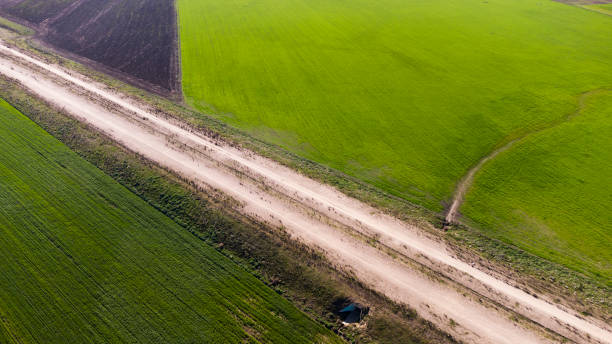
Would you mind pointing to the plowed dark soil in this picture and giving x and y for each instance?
(134, 37)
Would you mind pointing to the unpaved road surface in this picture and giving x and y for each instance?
(471, 305)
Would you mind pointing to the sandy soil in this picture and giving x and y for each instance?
(317, 215)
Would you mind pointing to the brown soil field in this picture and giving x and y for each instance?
(36, 11)
(137, 38)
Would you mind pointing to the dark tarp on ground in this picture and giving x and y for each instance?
(353, 313)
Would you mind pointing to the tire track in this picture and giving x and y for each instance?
(466, 182)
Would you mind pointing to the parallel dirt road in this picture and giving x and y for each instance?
(405, 263)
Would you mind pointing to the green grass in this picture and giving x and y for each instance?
(20, 29)
(85, 260)
(405, 95)
(552, 194)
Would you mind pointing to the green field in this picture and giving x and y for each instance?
(552, 193)
(408, 95)
(405, 94)
(84, 260)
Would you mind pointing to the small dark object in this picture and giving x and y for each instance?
(446, 225)
(353, 313)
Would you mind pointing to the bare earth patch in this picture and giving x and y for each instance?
(137, 40)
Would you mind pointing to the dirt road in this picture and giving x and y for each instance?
(421, 272)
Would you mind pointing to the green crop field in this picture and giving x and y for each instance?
(552, 193)
(85, 260)
(408, 95)
(405, 94)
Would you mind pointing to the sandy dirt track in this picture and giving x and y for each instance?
(315, 214)
(466, 182)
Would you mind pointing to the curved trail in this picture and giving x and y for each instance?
(316, 214)
(466, 182)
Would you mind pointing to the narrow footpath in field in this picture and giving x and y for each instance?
(466, 182)
(406, 264)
